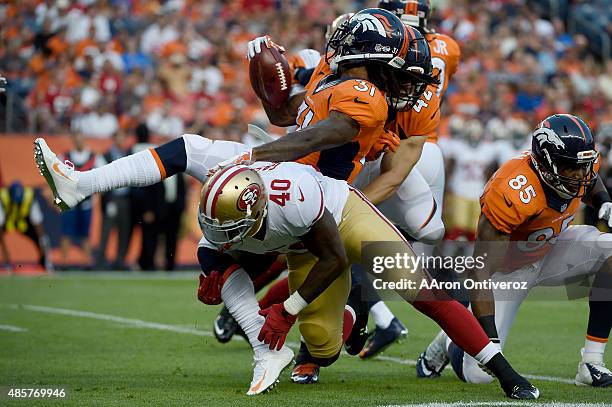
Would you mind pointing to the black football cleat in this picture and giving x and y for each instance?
(225, 326)
(381, 339)
(359, 334)
(522, 391)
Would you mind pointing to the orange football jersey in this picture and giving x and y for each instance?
(445, 56)
(422, 119)
(358, 99)
(515, 203)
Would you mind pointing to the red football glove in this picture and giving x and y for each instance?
(277, 326)
(209, 291)
(388, 141)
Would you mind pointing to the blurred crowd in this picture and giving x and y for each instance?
(101, 67)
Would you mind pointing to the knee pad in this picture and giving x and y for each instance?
(322, 344)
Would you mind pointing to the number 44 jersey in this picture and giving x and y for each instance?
(515, 202)
(297, 197)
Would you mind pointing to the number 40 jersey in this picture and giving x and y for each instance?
(297, 197)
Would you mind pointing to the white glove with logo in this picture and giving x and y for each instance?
(254, 46)
(605, 213)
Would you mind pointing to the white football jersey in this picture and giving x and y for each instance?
(297, 197)
(470, 165)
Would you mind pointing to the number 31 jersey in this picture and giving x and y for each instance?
(356, 98)
(297, 197)
(514, 202)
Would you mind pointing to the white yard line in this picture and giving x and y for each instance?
(500, 404)
(12, 328)
(105, 317)
(138, 323)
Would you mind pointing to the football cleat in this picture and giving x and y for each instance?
(306, 373)
(61, 176)
(522, 391)
(592, 371)
(268, 367)
(381, 339)
(225, 326)
(432, 362)
(358, 331)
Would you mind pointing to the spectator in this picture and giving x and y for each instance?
(76, 221)
(147, 206)
(171, 216)
(100, 123)
(164, 123)
(21, 213)
(116, 211)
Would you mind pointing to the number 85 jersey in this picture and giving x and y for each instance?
(515, 202)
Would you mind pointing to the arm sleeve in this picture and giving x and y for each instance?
(503, 209)
(1, 216)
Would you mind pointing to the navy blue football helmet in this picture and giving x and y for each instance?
(414, 13)
(397, 56)
(563, 143)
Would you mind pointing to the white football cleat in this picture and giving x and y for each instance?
(592, 371)
(61, 176)
(269, 365)
(432, 362)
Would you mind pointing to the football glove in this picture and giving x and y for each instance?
(2, 84)
(243, 158)
(254, 46)
(278, 324)
(209, 291)
(388, 141)
(605, 213)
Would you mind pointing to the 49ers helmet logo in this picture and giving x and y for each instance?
(248, 197)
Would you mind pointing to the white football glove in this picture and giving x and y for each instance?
(243, 158)
(605, 213)
(2, 84)
(254, 46)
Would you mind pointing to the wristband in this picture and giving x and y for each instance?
(488, 325)
(295, 303)
(599, 199)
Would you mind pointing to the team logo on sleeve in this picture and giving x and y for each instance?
(545, 135)
(249, 197)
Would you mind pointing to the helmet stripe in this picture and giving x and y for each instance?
(577, 124)
(213, 179)
(216, 186)
(227, 179)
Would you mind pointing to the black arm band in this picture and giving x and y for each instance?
(488, 325)
(599, 199)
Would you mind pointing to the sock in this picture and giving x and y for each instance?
(382, 315)
(600, 310)
(136, 170)
(278, 293)
(458, 323)
(506, 375)
(593, 349)
(303, 355)
(239, 298)
(348, 322)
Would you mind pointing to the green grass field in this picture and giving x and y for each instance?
(129, 340)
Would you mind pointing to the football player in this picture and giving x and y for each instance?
(390, 182)
(295, 209)
(527, 210)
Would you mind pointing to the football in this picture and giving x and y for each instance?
(270, 76)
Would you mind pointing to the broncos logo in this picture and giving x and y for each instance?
(545, 135)
(370, 22)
